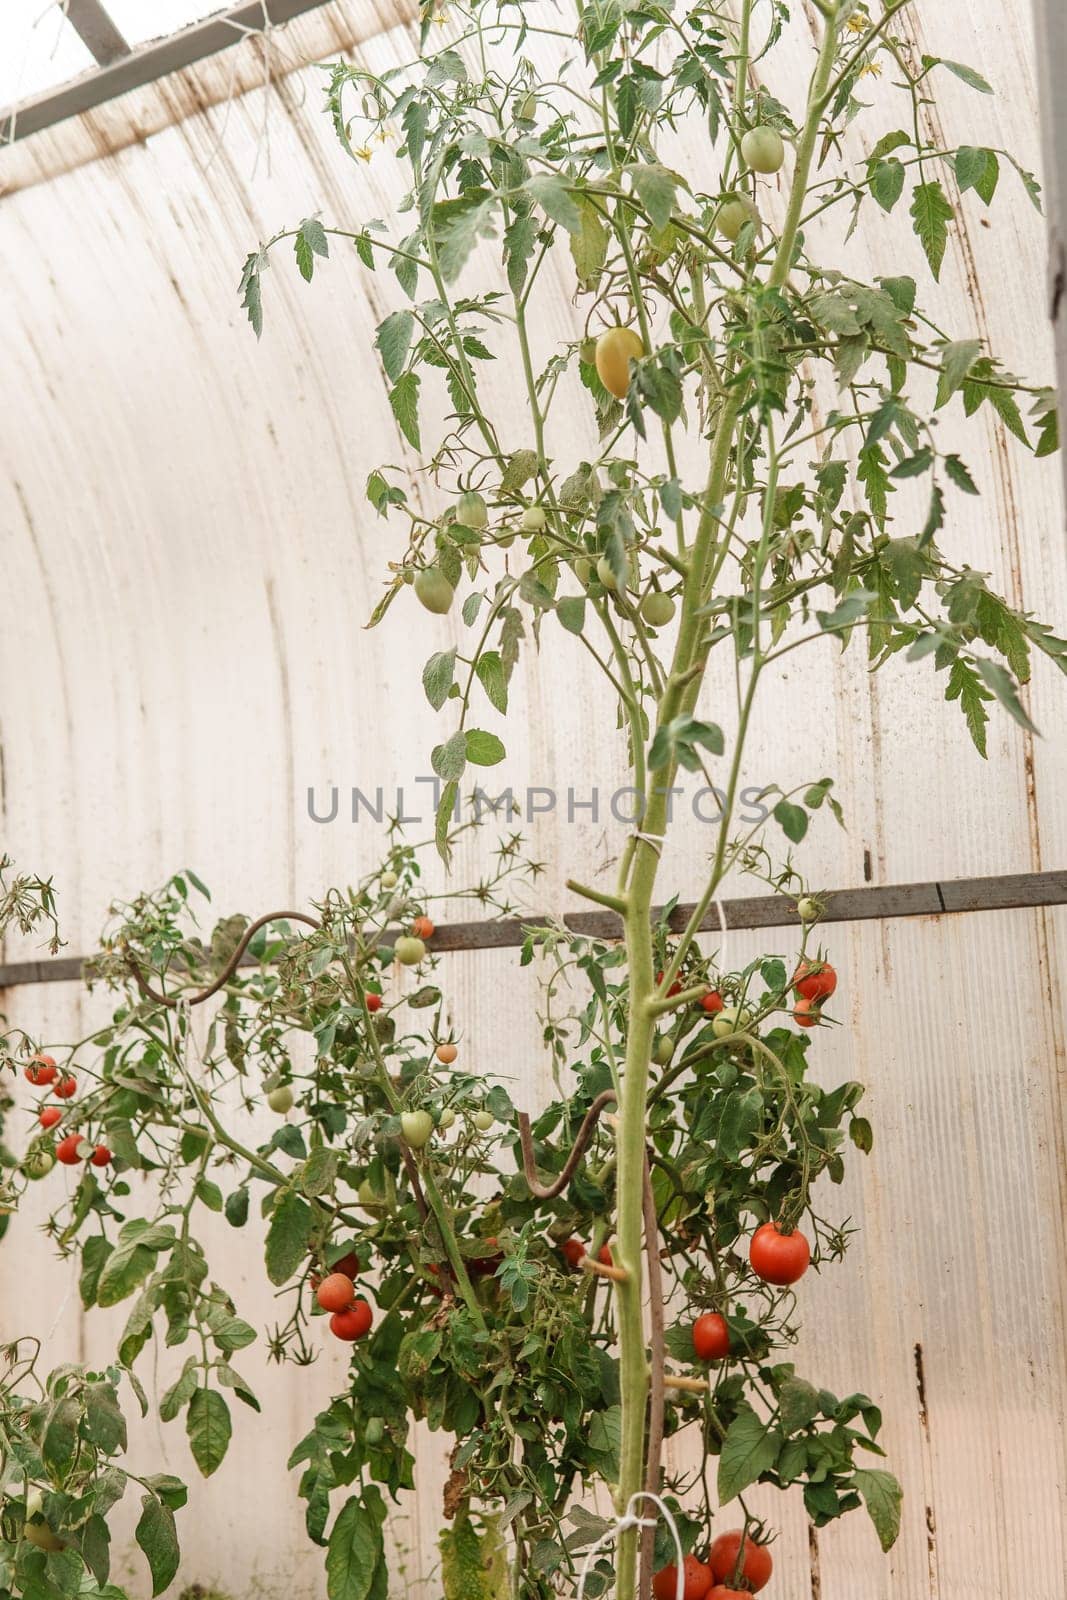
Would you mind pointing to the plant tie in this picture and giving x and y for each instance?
(631, 1519)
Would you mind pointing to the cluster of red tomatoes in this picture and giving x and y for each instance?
(736, 1566)
(813, 982)
(42, 1072)
(350, 1315)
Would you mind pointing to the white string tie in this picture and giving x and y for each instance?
(630, 1519)
(724, 930)
(654, 839)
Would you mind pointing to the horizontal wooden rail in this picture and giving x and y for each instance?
(1014, 891)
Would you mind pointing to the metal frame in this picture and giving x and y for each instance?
(123, 69)
(1051, 23)
(1014, 891)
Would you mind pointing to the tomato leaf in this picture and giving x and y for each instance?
(394, 340)
(589, 244)
(882, 1495)
(749, 1449)
(437, 677)
(208, 1425)
(310, 241)
(158, 1538)
(930, 214)
(484, 749)
(354, 1553)
(287, 1237)
(404, 400)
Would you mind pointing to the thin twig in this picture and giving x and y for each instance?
(585, 1134)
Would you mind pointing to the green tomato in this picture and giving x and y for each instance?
(663, 1050)
(808, 909)
(533, 519)
(38, 1162)
(369, 1197)
(35, 1528)
(583, 570)
(731, 1019)
(409, 951)
(733, 214)
(446, 1119)
(657, 609)
(281, 1099)
(762, 149)
(526, 107)
(471, 510)
(483, 1120)
(434, 590)
(606, 573)
(416, 1127)
(389, 880)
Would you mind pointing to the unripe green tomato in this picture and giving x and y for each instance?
(483, 1121)
(389, 880)
(506, 540)
(587, 352)
(526, 107)
(446, 1119)
(533, 519)
(762, 149)
(733, 214)
(369, 1197)
(657, 609)
(663, 1050)
(416, 1127)
(471, 510)
(373, 1430)
(281, 1099)
(606, 573)
(583, 570)
(38, 1163)
(808, 909)
(38, 1532)
(434, 590)
(731, 1019)
(409, 951)
(615, 349)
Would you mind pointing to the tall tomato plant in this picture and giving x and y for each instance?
(708, 316)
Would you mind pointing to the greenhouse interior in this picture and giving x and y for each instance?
(685, 375)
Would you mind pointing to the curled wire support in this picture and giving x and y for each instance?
(228, 970)
(585, 1133)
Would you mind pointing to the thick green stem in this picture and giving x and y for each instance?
(817, 93)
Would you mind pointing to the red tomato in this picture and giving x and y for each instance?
(712, 1002)
(67, 1150)
(807, 1014)
(336, 1293)
(353, 1322)
(485, 1266)
(675, 988)
(721, 1592)
(66, 1086)
(374, 1001)
(422, 928)
(778, 1257)
(48, 1116)
(711, 1337)
(41, 1069)
(100, 1156)
(696, 1581)
(573, 1252)
(604, 1256)
(756, 1568)
(348, 1264)
(815, 980)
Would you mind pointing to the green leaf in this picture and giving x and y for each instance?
(236, 1208)
(449, 760)
(353, 1554)
(104, 1421)
(886, 182)
(555, 200)
(935, 516)
(437, 677)
(319, 1172)
(589, 244)
(965, 686)
(158, 1538)
(883, 1496)
(959, 475)
(977, 169)
(749, 1449)
(493, 679)
(95, 1252)
(249, 289)
(393, 340)
(957, 359)
(793, 820)
(862, 1134)
(961, 70)
(521, 467)
(930, 214)
(798, 1404)
(208, 1425)
(1000, 680)
(95, 1545)
(571, 612)
(483, 749)
(445, 809)
(287, 1237)
(131, 1260)
(404, 400)
(459, 225)
(180, 1392)
(655, 187)
(310, 241)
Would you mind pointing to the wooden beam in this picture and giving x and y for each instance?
(1011, 892)
(97, 31)
(147, 63)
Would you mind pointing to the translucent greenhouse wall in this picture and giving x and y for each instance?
(189, 560)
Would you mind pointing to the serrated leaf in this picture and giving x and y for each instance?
(589, 244)
(959, 475)
(491, 676)
(404, 401)
(883, 1497)
(965, 686)
(158, 1538)
(438, 676)
(957, 359)
(393, 340)
(459, 225)
(655, 187)
(521, 467)
(209, 1428)
(310, 241)
(287, 1237)
(1000, 680)
(555, 199)
(443, 819)
(886, 180)
(749, 1449)
(977, 169)
(930, 214)
(250, 289)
